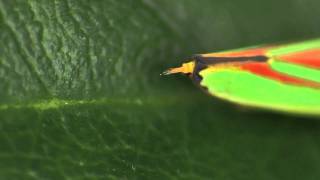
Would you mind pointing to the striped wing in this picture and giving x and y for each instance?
(289, 81)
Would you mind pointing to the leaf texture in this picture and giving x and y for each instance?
(81, 96)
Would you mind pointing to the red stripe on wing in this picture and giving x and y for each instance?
(310, 58)
(264, 70)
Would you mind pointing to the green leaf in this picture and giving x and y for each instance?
(81, 96)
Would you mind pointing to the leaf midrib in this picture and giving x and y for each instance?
(56, 103)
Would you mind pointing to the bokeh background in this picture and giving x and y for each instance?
(81, 96)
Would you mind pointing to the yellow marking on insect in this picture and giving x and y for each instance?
(186, 68)
(220, 67)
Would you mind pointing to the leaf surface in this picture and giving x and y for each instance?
(81, 96)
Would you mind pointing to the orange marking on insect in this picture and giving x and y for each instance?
(309, 58)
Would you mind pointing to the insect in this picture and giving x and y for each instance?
(282, 78)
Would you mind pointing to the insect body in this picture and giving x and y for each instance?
(282, 77)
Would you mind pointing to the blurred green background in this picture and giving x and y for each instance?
(81, 96)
